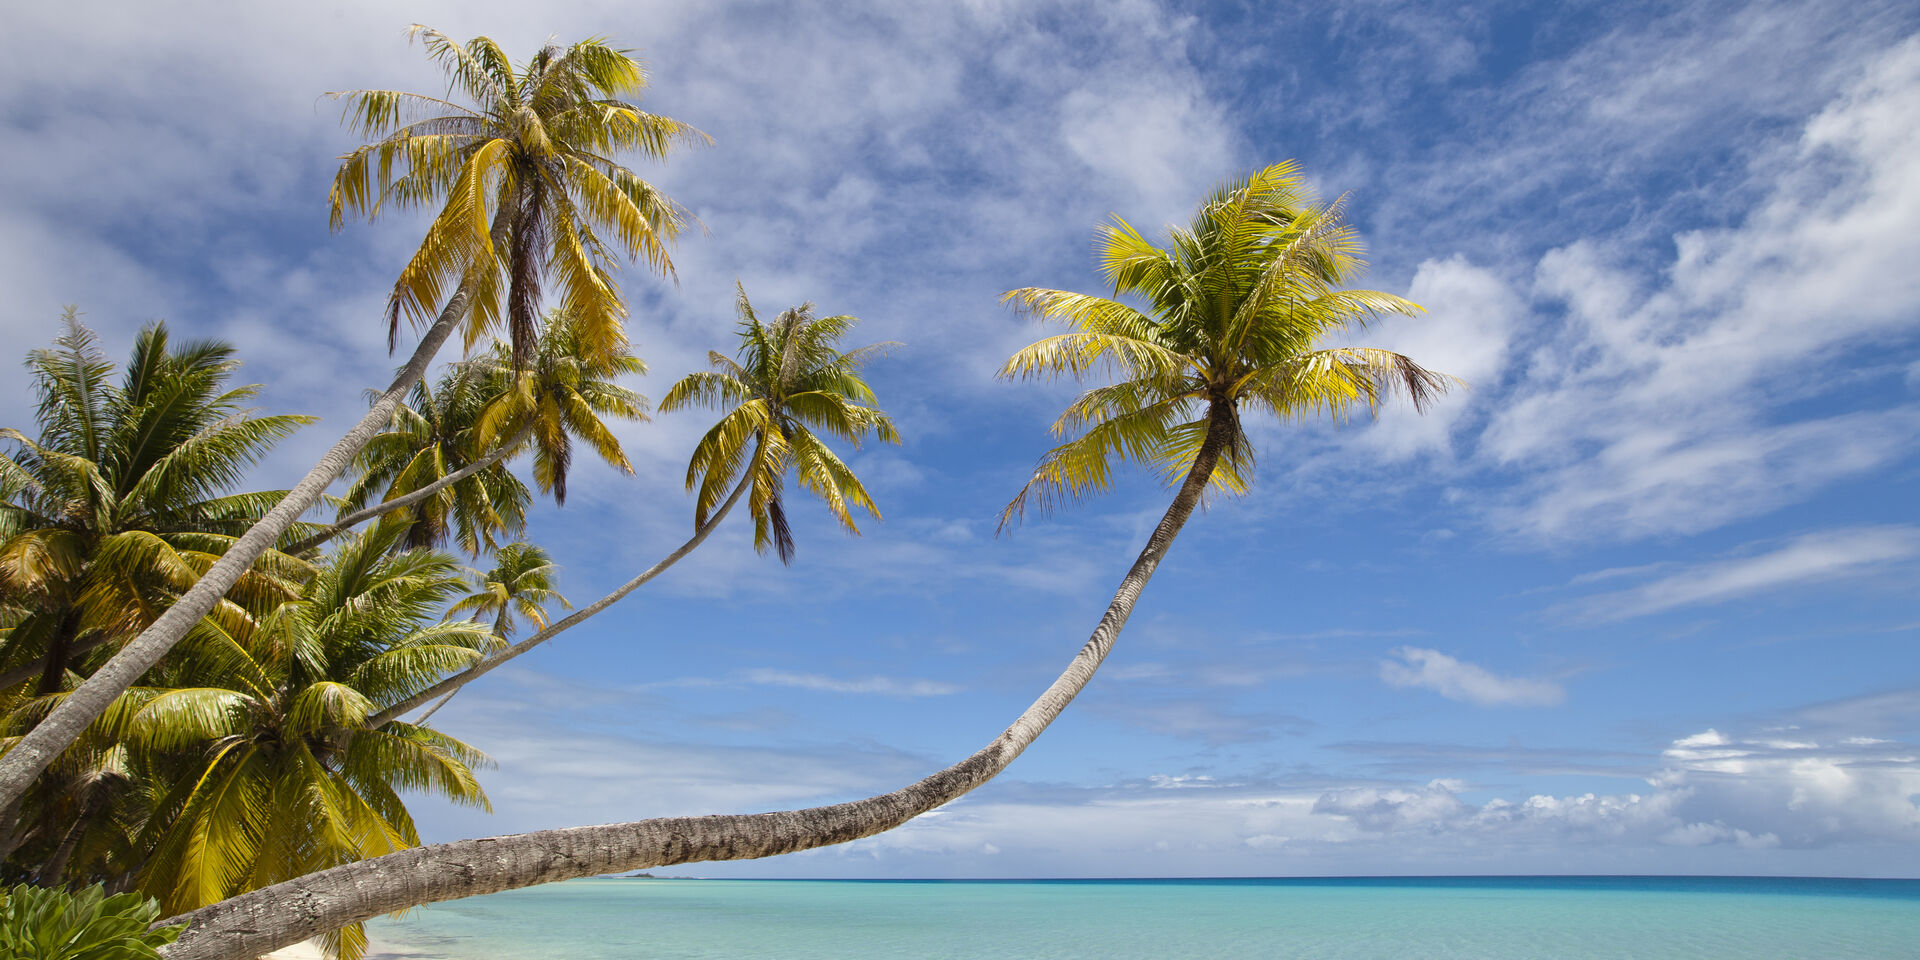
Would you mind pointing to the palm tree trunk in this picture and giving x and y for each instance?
(55, 869)
(53, 670)
(32, 753)
(405, 500)
(27, 672)
(499, 633)
(452, 684)
(286, 913)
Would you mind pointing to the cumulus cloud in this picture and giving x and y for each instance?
(1809, 558)
(1466, 682)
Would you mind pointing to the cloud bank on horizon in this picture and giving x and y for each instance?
(1640, 600)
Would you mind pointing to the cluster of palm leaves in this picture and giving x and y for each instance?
(243, 758)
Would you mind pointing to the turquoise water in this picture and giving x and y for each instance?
(1485, 918)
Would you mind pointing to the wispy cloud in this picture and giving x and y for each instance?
(1466, 682)
(885, 686)
(1809, 558)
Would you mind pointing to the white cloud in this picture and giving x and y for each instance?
(885, 686)
(1809, 558)
(1466, 682)
(1662, 405)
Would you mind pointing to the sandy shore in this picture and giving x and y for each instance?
(306, 950)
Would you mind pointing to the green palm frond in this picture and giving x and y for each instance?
(1237, 305)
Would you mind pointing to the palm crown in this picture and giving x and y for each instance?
(564, 392)
(790, 379)
(123, 499)
(526, 182)
(1237, 306)
(521, 581)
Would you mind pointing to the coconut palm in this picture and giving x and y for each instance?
(1238, 306)
(126, 496)
(521, 581)
(528, 189)
(567, 389)
(790, 380)
(281, 775)
(531, 155)
(431, 444)
(1239, 301)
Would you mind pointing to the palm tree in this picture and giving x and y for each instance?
(528, 188)
(522, 581)
(278, 773)
(535, 145)
(791, 379)
(1240, 302)
(124, 498)
(430, 443)
(564, 391)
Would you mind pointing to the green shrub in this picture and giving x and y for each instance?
(41, 924)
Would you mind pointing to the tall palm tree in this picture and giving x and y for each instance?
(531, 152)
(528, 188)
(791, 378)
(563, 394)
(278, 774)
(1240, 300)
(568, 388)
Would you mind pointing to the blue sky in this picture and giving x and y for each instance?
(1642, 600)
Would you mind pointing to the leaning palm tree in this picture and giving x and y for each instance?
(521, 581)
(791, 379)
(528, 190)
(569, 388)
(277, 773)
(1240, 300)
(484, 412)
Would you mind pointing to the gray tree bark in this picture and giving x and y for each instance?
(286, 913)
(406, 500)
(33, 752)
(452, 685)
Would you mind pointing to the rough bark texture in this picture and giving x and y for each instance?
(31, 755)
(406, 500)
(286, 913)
(452, 684)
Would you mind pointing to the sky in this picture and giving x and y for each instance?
(1640, 600)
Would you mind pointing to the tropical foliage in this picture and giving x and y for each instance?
(526, 191)
(791, 379)
(125, 496)
(279, 773)
(1237, 308)
(41, 924)
(429, 441)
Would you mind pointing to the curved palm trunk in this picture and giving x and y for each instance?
(452, 685)
(406, 500)
(33, 752)
(286, 913)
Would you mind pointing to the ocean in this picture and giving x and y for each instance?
(1484, 918)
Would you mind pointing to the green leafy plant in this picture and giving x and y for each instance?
(37, 923)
